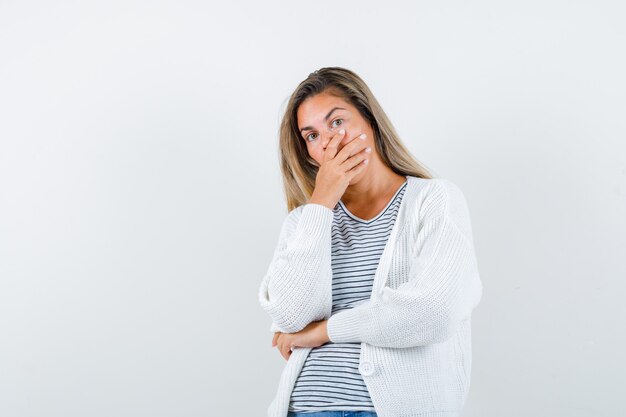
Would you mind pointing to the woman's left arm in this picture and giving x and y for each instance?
(444, 285)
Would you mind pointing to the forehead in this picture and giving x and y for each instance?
(315, 108)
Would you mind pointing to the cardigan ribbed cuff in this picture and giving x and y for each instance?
(316, 219)
(343, 327)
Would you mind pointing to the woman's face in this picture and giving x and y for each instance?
(321, 116)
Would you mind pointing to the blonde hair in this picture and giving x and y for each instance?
(299, 170)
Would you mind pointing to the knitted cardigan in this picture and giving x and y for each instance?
(415, 330)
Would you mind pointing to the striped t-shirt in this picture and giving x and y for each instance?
(330, 378)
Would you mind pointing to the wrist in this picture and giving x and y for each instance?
(326, 203)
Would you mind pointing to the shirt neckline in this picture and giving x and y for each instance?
(357, 218)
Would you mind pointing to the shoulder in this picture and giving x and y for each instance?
(438, 197)
(434, 194)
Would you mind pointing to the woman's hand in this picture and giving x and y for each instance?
(313, 335)
(338, 168)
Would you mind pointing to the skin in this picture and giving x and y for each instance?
(365, 195)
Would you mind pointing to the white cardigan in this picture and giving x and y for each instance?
(415, 330)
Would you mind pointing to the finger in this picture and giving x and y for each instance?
(357, 169)
(352, 148)
(285, 351)
(333, 145)
(280, 345)
(274, 339)
(357, 159)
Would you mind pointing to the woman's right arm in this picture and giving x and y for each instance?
(297, 288)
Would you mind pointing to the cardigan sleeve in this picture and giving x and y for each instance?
(297, 287)
(442, 289)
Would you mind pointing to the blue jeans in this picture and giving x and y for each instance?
(333, 414)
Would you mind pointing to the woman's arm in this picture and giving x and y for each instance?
(297, 288)
(443, 287)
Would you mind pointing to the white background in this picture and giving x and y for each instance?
(140, 193)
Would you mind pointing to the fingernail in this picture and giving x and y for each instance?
(362, 136)
(342, 131)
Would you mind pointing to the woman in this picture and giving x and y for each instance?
(374, 277)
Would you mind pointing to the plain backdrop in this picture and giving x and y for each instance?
(141, 197)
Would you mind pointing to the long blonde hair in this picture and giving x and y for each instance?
(299, 170)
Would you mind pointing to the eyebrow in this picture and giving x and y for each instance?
(325, 118)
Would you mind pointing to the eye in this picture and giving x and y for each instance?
(308, 136)
(336, 120)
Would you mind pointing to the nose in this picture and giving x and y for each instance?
(328, 136)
